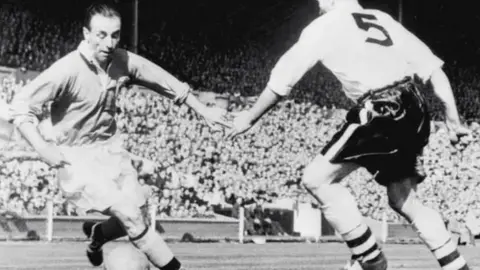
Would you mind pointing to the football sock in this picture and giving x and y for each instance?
(340, 210)
(432, 230)
(362, 243)
(449, 258)
(108, 230)
(156, 250)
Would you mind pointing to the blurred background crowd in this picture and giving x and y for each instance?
(261, 167)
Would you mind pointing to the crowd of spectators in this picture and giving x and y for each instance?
(264, 165)
(33, 41)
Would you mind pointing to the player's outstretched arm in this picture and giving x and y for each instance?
(443, 89)
(245, 120)
(291, 67)
(19, 155)
(47, 151)
(27, 106)
(155, 78)
(213, 116)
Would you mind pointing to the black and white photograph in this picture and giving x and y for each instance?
(239, 135)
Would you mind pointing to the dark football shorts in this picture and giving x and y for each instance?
(385, 133)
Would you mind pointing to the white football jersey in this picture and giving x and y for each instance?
(365, 49)
(5, 111)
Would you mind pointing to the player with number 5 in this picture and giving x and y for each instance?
(384, 69)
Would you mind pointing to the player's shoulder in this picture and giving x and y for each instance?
(381, 15)
(324, 21)
(377, 12)
(128, 58)
(334, 19)
(68, 59)
(65, 65)
(123, 54)
(321, 25)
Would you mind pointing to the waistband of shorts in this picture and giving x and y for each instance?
(97, 141)
(369, 93)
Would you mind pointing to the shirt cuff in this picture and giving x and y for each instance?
(182, 96)
(21, 119)
(283, 90)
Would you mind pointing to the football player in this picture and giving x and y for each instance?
(385, 70)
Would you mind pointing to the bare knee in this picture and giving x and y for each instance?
(132, 218)
(315, 174)
(321, 172)
(397, 203)
(402, 197)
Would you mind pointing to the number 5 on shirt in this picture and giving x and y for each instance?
(364, 22)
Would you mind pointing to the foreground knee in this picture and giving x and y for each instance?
(407, 206)
(339, 208)
(126, 257)
(334, 195)
(397, 204)
(310, 181)
(402, 196)
(316, 174)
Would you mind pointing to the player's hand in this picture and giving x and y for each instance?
(241, 124)
(52, 155)
(215, 118)
(456, 131)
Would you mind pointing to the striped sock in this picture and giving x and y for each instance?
(156, 250)
(449, 258)
(362, 243)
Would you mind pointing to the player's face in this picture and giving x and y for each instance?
(103, 36)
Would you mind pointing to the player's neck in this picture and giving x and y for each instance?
(346, 4)
(103, 64)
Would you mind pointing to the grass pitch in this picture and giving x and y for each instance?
(225, 256)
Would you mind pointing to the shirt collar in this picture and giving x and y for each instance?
(348, 6)
(86, 52)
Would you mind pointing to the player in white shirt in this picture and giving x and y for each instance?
(384, 69)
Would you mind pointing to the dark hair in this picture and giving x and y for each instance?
(103, 8)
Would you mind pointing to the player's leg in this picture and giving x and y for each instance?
(428, 223)
(321, 179)
(403, 173)
(126, 257)
(74, 179)
(99, 234)
(143, 236)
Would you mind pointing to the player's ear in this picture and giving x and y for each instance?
(86, 33)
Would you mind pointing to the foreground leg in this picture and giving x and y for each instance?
(428, 223)
(341, 211)
(126, 257)
(100, 233)
(144, 237)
